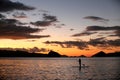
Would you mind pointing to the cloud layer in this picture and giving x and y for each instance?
(95, 18)
(47, 21)
(2, 16)
(34, 49)
(83, 45)
(7, 5)
(102, 28)
(19, 15)
(13, 28)
(10, 29)
(69, 44)
(115, 31)
(86, 33)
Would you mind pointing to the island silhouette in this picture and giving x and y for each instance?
(51, 53)
(17, 53)
(103, 54)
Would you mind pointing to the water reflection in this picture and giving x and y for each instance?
(59, 69)
(79, 68)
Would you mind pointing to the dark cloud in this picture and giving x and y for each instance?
(98, 42)
(115, 42)
(83, 45)
(19, 15)
(47, 21)
(36, 49)
(55, 42)
(19, 32)
(14, 49)
(102, 28)
(103, 43)
(95, 18)
(41, 23)
(117, 32)
(69, 44)
(86, 33)
(115, 29)
(4, 22)
(10, 22)
(106, 32)
(7, 5)
(2, 16)
(51, 18)
(110, 31)
(10, 29)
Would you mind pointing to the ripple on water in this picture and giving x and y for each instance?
(59, 69)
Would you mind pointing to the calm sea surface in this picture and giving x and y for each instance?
(59, 69)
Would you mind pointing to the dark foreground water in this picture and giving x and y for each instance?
(59, 69)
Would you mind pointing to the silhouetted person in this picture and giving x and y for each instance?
(80, 63)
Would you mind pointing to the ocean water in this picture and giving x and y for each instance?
(59, 69)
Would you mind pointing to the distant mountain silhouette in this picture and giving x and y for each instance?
(53, 54)
(10, 53)
(103, 54)
(99, 54)
(116, 54)
(82, 56)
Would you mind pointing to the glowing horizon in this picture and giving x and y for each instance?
(73, 28)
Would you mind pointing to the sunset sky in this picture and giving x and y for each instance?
(70, 27)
